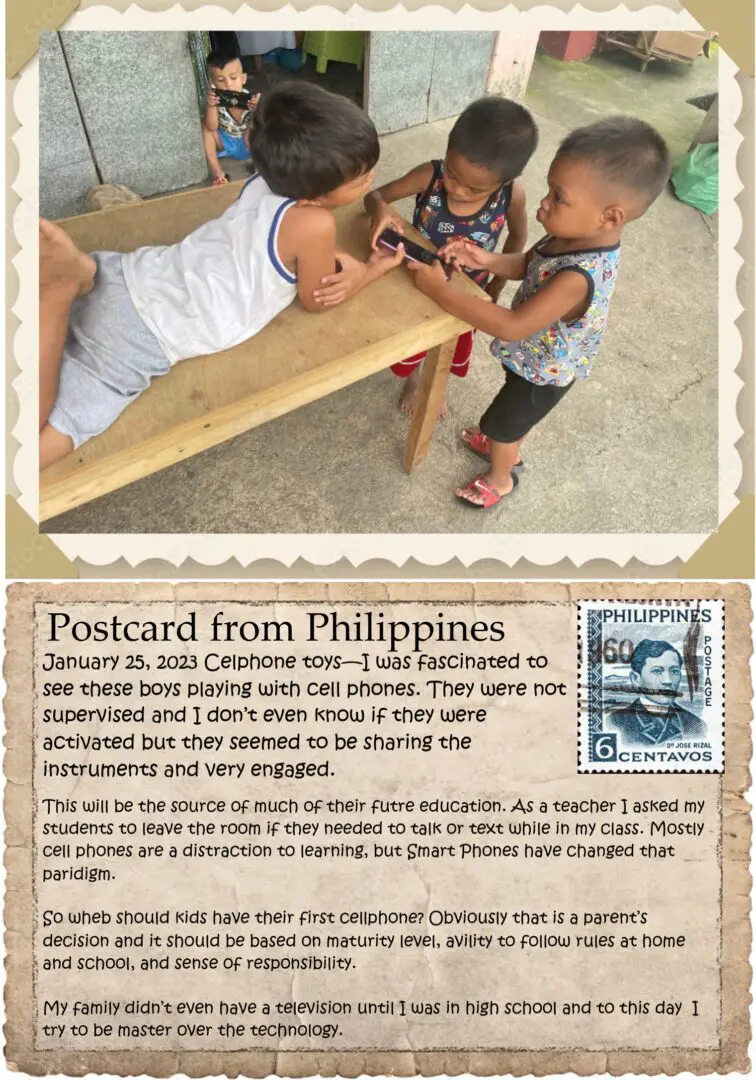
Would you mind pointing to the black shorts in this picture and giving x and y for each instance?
(518, 407)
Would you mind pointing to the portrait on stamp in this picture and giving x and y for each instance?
(655, 716)
(652, 686)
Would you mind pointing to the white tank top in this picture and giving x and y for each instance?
(219, 286)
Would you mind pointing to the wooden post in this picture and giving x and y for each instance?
(430, 398)
(709, 129)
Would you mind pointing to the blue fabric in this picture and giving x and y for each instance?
(272, 237)
(232, 148)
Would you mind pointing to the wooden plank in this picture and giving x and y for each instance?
(164, 220)
(101, 476)
(430, 398)
(296, 359)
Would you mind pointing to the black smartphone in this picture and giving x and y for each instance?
(233, 99)
(390, 238)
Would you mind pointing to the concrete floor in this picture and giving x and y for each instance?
(633, 449)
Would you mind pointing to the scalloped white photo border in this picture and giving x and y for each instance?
(325, 549)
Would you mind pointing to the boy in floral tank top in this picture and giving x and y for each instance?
(473, 194)
(603, 176)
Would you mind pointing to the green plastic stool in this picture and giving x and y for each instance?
(348, 46)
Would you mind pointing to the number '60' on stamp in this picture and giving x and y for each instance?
(652, 692)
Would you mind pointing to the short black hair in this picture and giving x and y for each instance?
(625, 151)
(649, 649)
(496, 133)
(306, 141)
(218, 60)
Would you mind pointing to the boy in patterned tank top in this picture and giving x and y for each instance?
(473, 193)
(603, 176)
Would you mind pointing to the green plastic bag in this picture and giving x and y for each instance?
(696, 178)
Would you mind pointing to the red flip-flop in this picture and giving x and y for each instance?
(480, 444)
(480, 486)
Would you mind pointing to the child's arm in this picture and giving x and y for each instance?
(564, 294)
(354, 275)
(210, 119)
(471, 257)
(377, 203)
(307, 246)
(517, 235)
(517, 221)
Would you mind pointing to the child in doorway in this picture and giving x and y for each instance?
(109, 322)
(224, 131)
(603, 176)
(473, 193)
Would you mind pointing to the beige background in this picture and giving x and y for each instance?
(728, 551)
(527, 748)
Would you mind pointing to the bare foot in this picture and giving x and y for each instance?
(62, 267)
(408, 400)
(482, 492)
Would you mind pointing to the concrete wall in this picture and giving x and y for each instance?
(460, 71)
(397, 78)
(415, 77)
(66, 168)
(117, 107)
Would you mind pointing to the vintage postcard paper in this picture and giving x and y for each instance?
(334, 829)
(299, 457)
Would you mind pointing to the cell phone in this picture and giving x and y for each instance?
(233, 99)
(390, 238)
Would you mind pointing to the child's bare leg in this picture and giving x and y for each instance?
(408, 400)
(213, 144)
(53, 446)
(64, 273)
(472, 433)
(504, 457)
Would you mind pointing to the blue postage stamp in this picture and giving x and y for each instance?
(652, 691)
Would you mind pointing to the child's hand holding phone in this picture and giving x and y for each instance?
(385, 218)
(415, 252)
(466, 255)
(430, 279)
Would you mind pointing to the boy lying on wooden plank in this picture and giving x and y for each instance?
(110, 322)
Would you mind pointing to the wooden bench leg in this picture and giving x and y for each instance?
(433, 379)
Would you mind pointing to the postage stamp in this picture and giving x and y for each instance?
(651, 678)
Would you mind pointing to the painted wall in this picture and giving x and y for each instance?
(511, 64)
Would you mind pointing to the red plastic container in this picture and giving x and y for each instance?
(569, 44)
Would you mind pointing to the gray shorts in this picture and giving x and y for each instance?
(110, 356)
